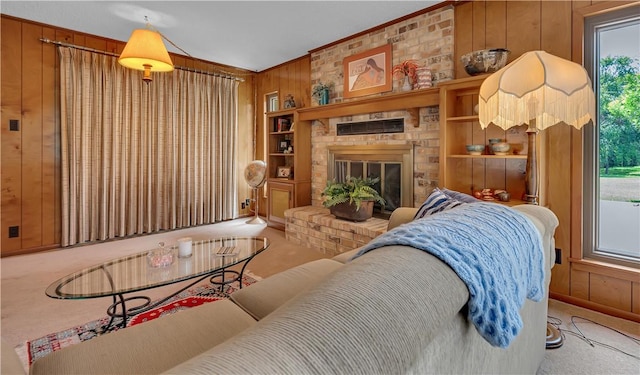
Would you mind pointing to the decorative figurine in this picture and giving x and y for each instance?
(289, 102)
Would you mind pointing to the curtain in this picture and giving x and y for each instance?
(142, 158)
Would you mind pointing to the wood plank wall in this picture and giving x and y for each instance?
(30, 164)
(292, 77)
(522, 26)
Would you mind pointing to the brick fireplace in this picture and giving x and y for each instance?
(426, 38)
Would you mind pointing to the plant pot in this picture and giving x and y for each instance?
(407, 86)
(348, 211)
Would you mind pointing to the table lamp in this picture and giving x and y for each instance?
(540, 90)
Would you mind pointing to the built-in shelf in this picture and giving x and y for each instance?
(410, 101)
(462, 156)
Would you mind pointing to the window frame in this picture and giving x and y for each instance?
(591, 140)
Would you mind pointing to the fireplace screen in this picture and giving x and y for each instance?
(392, 164)
(388, 173)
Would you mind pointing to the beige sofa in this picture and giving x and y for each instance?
(391, 311)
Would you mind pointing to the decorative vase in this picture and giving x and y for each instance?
(347, 211)
(424, 78)
(324, 98)
(407, 86)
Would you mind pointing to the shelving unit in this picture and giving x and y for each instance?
(288, 164)
(459, 126)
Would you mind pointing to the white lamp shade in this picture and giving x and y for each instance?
(145, 47)
(537, 86)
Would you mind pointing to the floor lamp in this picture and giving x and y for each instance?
(540, 90)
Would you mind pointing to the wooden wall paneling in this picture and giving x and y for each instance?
(555, 29)
(50, 143)
(496, 25)
(478, 24)
(287, 82)
(554, 176)
(11, 70)
(579, 283)
(523, 27)
(96, 43)
(305, 81)
(609, 291)
(635, 297)
(32, 135)
(463, 29)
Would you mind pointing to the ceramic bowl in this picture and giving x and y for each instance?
(484, 61)
(475, 149)
(500, 148)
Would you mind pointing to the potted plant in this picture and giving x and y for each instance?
(353, 199)
(320, 92)
(406, 70)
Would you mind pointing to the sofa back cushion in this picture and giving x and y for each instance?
(375, 315)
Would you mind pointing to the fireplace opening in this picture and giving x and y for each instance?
(392, 164)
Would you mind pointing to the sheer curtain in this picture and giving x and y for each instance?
(141, 158)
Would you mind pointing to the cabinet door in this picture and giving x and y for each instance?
(281, 198)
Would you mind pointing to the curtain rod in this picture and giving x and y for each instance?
(215, 74)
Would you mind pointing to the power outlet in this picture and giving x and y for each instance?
(14, 231)
(247, 201)
(242, 205)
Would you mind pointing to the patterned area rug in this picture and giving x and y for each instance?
(196, 296)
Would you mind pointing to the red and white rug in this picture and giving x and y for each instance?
(34, 349)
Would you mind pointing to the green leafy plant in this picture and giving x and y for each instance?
(316, 91)
(355, 191)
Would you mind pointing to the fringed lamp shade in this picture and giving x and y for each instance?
(145, 51)
(540, 90)
(537, 86)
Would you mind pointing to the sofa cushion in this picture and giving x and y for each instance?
(10, 363)
(263, 297)
(436, 202)
(152, 347)
(373, 316)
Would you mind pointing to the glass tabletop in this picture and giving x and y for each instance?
(137, 272)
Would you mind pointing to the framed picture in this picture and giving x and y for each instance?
(368, 72)
(283, 145)
(284, 172)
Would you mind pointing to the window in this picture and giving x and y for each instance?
(612, 147)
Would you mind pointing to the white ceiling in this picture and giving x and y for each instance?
(253, 35)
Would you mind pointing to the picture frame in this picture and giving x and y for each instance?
(283, 145)
(272, 101)
(368, 72)
(284, 172)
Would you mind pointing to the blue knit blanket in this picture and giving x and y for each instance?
(495, 250)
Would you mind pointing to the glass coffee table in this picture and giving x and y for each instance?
(134, 273)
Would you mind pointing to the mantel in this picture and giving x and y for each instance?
(411, 101)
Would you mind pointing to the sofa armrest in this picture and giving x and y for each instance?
(401, 215)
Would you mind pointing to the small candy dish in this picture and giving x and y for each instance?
(475, 149)
(160, 257)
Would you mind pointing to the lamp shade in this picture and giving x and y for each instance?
(537, 86)
(146, 51)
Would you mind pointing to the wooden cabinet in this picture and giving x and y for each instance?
(288, 164)
(459, 127)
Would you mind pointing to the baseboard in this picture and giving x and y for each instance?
(596, 307)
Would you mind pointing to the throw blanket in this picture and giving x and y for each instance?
(495, 250)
